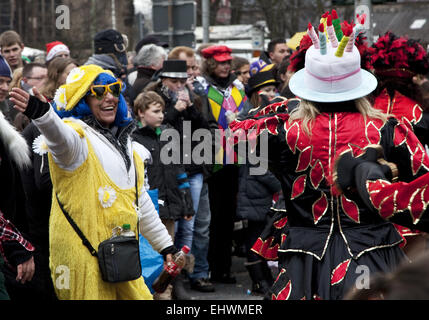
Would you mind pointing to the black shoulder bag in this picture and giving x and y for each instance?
(118, 257)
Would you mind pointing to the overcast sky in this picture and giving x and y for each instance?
(143, 6)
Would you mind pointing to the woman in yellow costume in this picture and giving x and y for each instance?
(93, 165)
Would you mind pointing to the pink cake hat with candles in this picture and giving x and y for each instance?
(332, 71)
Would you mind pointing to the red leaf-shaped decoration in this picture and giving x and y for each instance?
(320, 207)
(373, 134)
(283, 238)
(264, 248)
(339, 273)
(298, 186)
(400, 134)
(417, 205)
(282, 271)
(417, 113)
(417, 159)
(292, 136)
(304, 159)
(271, 125)
(279, 224)
(387, 206)
(316, 174)
(350, 208)
(284, 294)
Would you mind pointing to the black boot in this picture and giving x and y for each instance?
(179, 290)
(260, 286)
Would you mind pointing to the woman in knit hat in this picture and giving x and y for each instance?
(56, 49)
(92, 157)
(329, 237)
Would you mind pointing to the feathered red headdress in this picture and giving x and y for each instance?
(398, 57)
(297, 59)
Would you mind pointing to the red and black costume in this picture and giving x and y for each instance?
(326, 236)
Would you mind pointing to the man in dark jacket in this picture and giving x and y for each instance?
(148, 60)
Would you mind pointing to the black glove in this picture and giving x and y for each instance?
(36, 108)
(171, 249)
(345, 165)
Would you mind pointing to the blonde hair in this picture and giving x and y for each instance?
(16, 78)
(307, 112)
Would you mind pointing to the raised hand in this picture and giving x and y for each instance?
(20, 98)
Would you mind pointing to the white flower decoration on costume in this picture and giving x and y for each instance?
(41, 148)
(39, 145)
(60, 98)
(75, 75)
(106, 196)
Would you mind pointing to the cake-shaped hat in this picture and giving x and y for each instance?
(332, 71)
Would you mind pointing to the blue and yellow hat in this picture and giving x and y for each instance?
(69, 98)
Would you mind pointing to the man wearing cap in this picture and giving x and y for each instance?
(110, 52)
(227, 98)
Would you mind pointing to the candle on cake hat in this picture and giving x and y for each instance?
(322, 39)
(313, 36)
(347, 30)
(352, 36)
(331, 32)
(337, 25)
(323, 20)
(360, 22)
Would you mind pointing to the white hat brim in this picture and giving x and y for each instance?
(298, 88)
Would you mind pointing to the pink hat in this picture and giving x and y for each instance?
(55, 47)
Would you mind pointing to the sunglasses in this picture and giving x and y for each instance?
(100, 90)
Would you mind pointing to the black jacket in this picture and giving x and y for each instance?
(38, 191)
(176, 119)
(174, 197)
(255, 194)
(144, 76)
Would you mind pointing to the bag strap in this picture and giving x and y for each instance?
(85, 241)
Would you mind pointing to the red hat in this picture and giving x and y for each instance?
(52, 48)
(219, 53)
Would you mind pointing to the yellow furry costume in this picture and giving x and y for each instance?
(97, 205)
